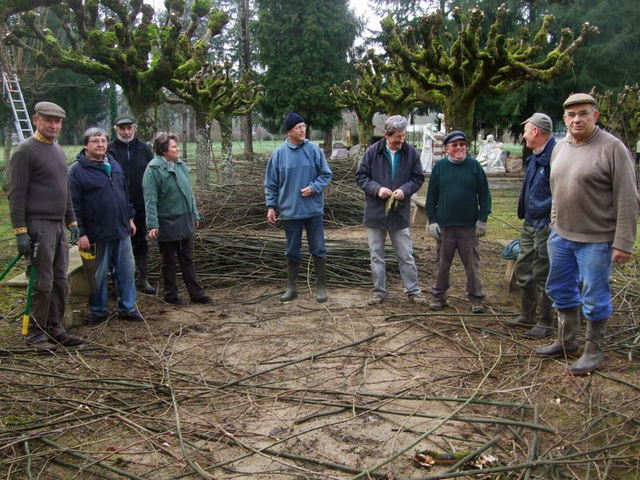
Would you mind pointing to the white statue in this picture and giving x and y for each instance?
(443, 128)
(426, 157)
(490, 155)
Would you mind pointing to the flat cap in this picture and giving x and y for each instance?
(125, 119)
(578, 98)
(453, 136)
(541, 120)
(50, 109)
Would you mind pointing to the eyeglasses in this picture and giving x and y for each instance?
(300, 127)
(458, 144)
(98, 140)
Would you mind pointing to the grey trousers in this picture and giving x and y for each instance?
(464, 240)
(51, 286)
(403, 248)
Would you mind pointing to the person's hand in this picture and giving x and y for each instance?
(197, 224)
(74, 234)
(84, 243)
(398, 194)
(434, 230)
(132, 227)
(481, 229)
(619, 256)
(306, 191)
(24, 244)
(153, 233)
(272, 216)
(384, 193)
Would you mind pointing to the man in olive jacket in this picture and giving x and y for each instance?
(389, 173)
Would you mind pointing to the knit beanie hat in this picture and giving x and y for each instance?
(291, 120)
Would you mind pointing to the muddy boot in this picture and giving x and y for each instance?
(568, 322)
(321, 289)
(143, 283)
(592, 356)
(527, 309)
(292, 280)
(543, 328)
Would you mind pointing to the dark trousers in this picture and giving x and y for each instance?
(183, 250)
(50, 289)
(464, 240)
(139, 240)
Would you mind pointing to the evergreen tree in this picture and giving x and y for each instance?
(304, 48)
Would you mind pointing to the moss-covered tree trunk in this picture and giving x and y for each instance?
(227, 147)
(203, 147)
(458, 112)
(145, 117)
(365, 133)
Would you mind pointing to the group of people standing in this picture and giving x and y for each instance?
(112, 198)
(579, 203)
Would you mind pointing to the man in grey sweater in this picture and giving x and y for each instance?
(593, 220)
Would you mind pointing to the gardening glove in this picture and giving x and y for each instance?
(24, 244)
(434, 230)
(481, 229)
(74, 234)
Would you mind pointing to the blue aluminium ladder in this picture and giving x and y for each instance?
(21, 120)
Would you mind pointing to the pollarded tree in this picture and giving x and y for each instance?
(214, 92)
(620, 113)
(304, 47)
(453, 69)
(378, 87)
(116, 40)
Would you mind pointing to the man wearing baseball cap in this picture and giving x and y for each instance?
(41, 207)
(294, 182)
(534, 207)
(593, 224)
(458, 205)
(133, 155)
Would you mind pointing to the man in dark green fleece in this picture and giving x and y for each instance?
(458, 204)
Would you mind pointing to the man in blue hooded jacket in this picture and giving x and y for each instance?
(105, 218)
(534, 207)
(295, 179)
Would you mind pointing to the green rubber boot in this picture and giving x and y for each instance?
(321, 289)
(592, 356)
(292, 282)
(568, 322)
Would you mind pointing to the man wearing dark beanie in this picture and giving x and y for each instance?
(296, 176)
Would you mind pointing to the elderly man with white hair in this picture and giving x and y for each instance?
(389, 173)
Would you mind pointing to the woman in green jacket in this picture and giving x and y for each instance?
(172, 216)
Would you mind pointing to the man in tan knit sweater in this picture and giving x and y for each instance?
(593, 220)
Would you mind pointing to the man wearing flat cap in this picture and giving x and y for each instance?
(41, 208)
(593, 224)
(534, 207)
(458, 205)
(133, 155)
(294, 182)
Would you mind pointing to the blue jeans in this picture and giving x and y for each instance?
(572, 262)
(315, 237)
(119, 255)
(403, 248)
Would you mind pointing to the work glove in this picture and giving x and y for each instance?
(481, 229)
(434, 230)
(24, 244)
(74, 234)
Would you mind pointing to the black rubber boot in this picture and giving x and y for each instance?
(527, 316)
(543, 328)
(143, 283)
(592, 356)
(292, 282)
(321, 289)
(568, 322)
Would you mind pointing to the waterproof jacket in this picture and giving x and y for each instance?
(534, 205)
(101, 202)
(133, 157)
(290, 169)
(374, 172)
(169, 201)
